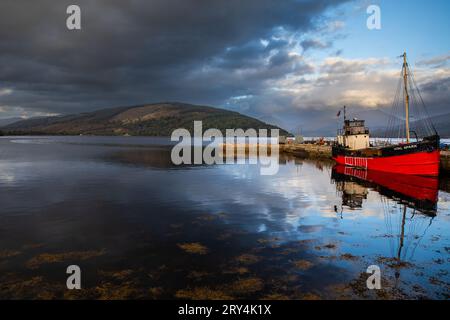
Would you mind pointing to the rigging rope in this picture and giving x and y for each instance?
(420, 122)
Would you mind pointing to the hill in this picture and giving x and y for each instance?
(442, 124)
(158, 119)
(7, 121)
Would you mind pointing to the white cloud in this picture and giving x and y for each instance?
(17, 111)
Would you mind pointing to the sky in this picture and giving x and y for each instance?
(292, 63)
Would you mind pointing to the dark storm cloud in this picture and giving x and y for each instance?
(436, 93)
(131, 52)
(435, 62)
(437, 87)
(314, 44)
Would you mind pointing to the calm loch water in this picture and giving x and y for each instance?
(141, 228)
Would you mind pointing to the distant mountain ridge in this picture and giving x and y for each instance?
(158, 119)
(7, 121)
(441, 123)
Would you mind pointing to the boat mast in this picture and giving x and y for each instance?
(344, 136)
(405, 80)
(402, 234)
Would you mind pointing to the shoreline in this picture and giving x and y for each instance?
(314, 151)
(306, 150)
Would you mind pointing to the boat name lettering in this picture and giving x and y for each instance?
(412, 146)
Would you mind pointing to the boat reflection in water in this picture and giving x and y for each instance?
(416, 192)
(409, 205)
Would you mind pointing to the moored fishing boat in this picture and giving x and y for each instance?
(420, 157)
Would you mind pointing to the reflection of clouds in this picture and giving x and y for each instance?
(281, 199)
(444, 205)
(279, 202)
(32, 140)
(297, 196)
(262, 227)
(12, 173)
(6, 177)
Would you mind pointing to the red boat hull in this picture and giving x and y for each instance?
(418, 163)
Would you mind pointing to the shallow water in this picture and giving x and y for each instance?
(140, 227)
